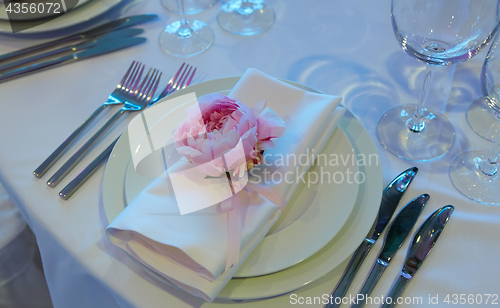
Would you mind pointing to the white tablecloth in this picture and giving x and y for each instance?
(345, 48)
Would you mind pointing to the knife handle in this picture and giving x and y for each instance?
(33, 49)
(34, 68)
(349, 273)
(376, 272)
(396, 290)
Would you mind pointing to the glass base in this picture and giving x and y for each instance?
(482, 119)
(186, 41)
(432, 142)
(190, 6)
(247, 18)
(471, 182)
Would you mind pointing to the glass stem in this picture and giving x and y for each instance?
(489, 166)
(184, 29)
(246, 8)
(416, 123)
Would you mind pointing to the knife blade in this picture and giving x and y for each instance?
(395, 236)
(96, 31)
(390, 199)
(72, 48)
(423, 242)
(103, 48)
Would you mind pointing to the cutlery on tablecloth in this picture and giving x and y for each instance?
(100, 49)
(423, 241)
(71, 48)
(85, 36)
(137, 98)
(394, 239)
(117, 97)
(390, 200)
(173, 85)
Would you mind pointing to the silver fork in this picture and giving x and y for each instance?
(136, 98)
(132, 75)
(180, 83)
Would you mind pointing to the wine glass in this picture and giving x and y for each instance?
(475, 173)
(439, 33)
(245, 17)
(183, 38)
(190, 6)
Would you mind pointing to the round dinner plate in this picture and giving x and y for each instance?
(77, 15)
(312, 217)
(32, 16)
(344, 242)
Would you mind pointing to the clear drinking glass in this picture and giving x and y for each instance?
(190, 6)
(184, 38)
(475, 173)
(245, 17)
(439, 33)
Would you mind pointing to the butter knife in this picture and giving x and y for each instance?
(423, 241)
(395, 236)
(72, 48)
(390, 200)
(89, 34)
(92, 52)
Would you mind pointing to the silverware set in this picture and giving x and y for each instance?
(135, 93)
(423, 240)
(100, 40)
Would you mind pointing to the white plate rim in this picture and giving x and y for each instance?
(74, 17)
(330, 256)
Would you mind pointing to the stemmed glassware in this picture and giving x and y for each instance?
(183, 38)
(245, 17)
(439, 33)
(476, 173)
(190, 6)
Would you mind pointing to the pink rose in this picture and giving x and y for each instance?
(216, 125)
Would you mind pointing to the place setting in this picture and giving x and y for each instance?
(252, 187)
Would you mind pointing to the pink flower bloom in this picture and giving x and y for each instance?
(216, 125)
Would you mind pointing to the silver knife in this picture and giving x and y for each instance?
(94, 32)
(390, 200)
(421, 246)
(72, 48)
(394, 238)
(103, 48)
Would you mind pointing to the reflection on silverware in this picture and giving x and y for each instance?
(173, 85)
(422, 243)
(395, 236)
(390, 200)
(85, 36)
(137, 98)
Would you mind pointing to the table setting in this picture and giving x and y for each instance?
(200, 153)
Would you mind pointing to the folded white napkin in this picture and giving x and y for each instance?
(190, 250)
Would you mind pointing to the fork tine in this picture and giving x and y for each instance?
(174, 88)
(190, 79)
(171, 82)
(139, 89)
(154, 87)
(119, 86)
(184, 80)
(138, 79)
(146, 87)
(131, 77)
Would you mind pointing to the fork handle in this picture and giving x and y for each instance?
(73, 186)
(71, 163)
(45, 166)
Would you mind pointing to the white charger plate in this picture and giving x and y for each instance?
(33, 16)
(330, 256)
(74, 17)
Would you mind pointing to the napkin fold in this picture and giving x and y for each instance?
(190, 250)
